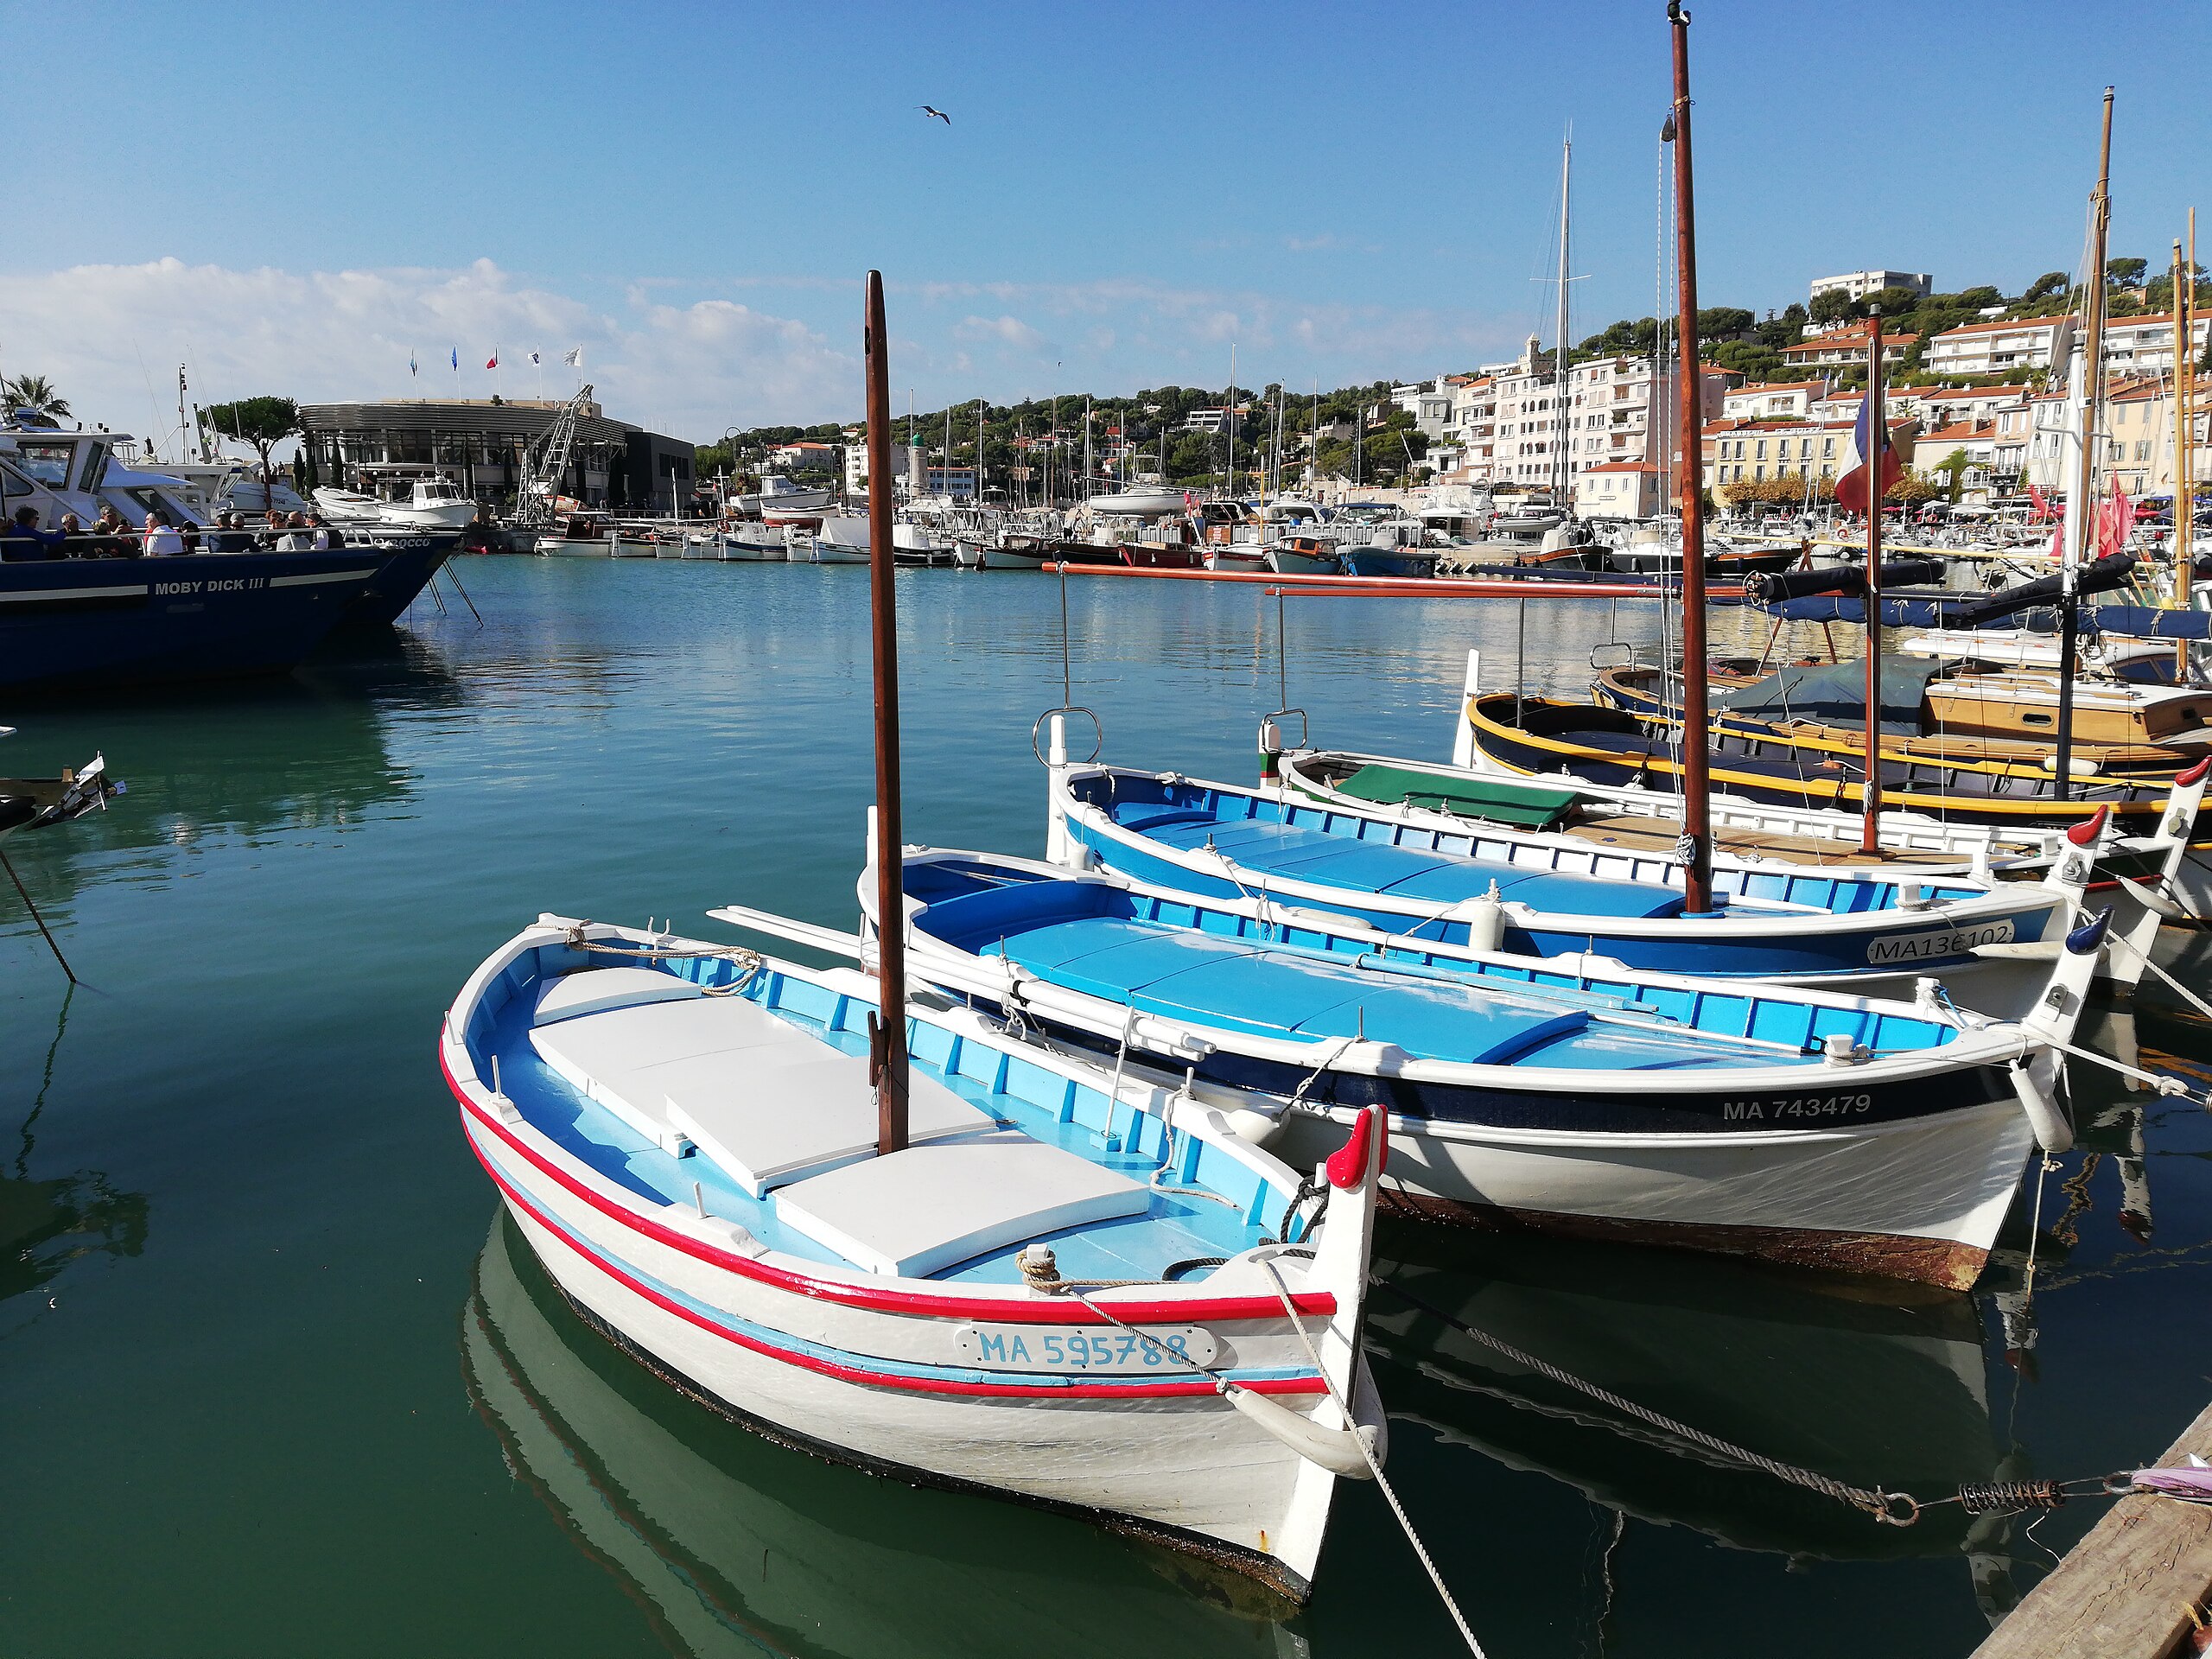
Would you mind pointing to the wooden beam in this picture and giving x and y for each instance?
(2122, 1592)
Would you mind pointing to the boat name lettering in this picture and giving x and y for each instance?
(1171, 1349)
(1925, 947)
(213, 585)
(1797, 1106)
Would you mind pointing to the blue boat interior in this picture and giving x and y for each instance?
(1203, 1202)
(1308, 841)
(1293, 980)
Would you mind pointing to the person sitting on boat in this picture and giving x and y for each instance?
(161, 540)
(21, 540)
(320, 535)
(231, 535)
(296, 537)
(273, 536)
(112, 536)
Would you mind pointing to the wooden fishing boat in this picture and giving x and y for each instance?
(1534, 736)
(2002, 717)
(1570, 1093)
(687, 1138)
(884, 1230)
(1533, 893)
(37, 803)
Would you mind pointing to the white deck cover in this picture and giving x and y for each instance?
(767, 1102)
(599, 989)
(930, 1206)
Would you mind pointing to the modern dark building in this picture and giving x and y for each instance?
(382, 448)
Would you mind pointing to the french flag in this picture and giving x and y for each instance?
(1850, 489)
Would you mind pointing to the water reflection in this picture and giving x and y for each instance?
(1872, 1385)
(45, 1224)
(733, 1545)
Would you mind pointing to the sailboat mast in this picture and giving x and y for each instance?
(1229, 472)
(1561, 471)
(888, 1037)
(2184, 408)
(2083, 502)
(1697, 781)
(1878, 432)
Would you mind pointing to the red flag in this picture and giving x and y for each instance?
(2041, 505)
(492, 361)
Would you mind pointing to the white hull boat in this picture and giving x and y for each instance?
(704, 544)
(1880, 1137)
(754, 544)
(1240, 559)
(1288, 562)
(689, 1147)
(1139, 504)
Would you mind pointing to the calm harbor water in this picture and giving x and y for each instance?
(274, 1378)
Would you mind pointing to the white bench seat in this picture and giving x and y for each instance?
(765, 1101)
(930, 1206)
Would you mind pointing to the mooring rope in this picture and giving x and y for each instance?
(748, 962)
(1375, 1469)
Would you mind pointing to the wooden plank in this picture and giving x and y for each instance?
(2120, 1593)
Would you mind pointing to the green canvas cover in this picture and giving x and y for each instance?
(1524, 806)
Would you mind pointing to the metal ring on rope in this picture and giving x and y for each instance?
(1097, 728)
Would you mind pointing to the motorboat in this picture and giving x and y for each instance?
(753, 542)
(579, 535)
(780, 495)
(433, 503)
(1140, 503)
(1570, 1093)
(1379, 561)
(205, 615)
(841, 541)
(1242, 560)
(1303, 555)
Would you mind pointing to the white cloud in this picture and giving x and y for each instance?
(112, 337)
(1006, 331)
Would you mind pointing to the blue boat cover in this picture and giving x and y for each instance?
(1280, 992)
(1342, 861)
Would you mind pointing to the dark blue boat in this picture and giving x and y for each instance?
(105, 622)
(1387, 562)
(410, 559)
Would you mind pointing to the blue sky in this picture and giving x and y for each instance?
(295, 199)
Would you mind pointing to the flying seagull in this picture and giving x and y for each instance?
(940, 114)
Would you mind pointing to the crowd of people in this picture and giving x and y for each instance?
(111, 535)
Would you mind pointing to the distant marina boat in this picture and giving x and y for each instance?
(779, 496)
(1139, 504)
(841, 541)
(1389, 561)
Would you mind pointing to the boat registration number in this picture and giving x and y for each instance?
(1166, 1350)
(1899, 949)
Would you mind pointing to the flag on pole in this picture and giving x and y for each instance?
(574, 358)
(411, 369)
(534, 360)
(1852, 489)
(456, 359)
(492, 361)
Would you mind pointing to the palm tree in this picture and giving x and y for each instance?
(34, 391)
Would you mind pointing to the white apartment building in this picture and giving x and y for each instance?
(1612, 407)
(1214, 422)
(1792, 400)
(1617, 489)
(1999, 347)
(1858, 284)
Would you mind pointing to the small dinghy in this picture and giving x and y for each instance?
(1875, 1136)
(1535, 893)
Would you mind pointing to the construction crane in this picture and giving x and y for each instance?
(545, 463)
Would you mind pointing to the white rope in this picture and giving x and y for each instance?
(1374, 1468)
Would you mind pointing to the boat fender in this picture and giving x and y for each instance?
(1485, 919)
(1332, 1449)
(1270, 753)
(2053, 1133)
(1841, 1048)
(1259, 1127)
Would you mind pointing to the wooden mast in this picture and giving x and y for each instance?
(1878, 432)
(887, 1033)
(1697, 781)
(2079, 509)
(2184, 408)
